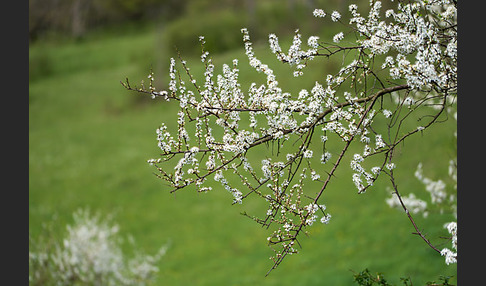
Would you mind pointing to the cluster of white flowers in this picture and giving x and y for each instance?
(325, 157)
(414, 204)
(335, 16)
(295, 55)
(436, 189)
(319, 13)
(338, 37)
(416, 48)
(360, 171)
(308, 154)
(439, 197)
(412, 33)
(451, 255)
(237, 195)
(387, 113)
(286, 208)
(91, 254)
(311, 210)
(165, 140)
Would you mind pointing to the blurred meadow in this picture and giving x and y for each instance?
(89, 140)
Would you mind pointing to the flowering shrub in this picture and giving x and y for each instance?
(90, 255)
(395, 65)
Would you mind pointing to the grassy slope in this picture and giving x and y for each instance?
(89, 139)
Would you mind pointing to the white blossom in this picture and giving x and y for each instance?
(325, 219)
(358, 182)
(91, 254)
(379, 142)
(436, 189)
(308, 153)
(413, 53)
(387, 113)
(319, 13)
(335, 16)
(413, 204)
(376, 170)
(338, 37)
(325, 157)
(266, 168)
(274, 46)
(313, 42)
(450, 256)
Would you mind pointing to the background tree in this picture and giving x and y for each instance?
(76, 17)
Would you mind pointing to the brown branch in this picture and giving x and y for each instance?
(417, 231)
(371, 98)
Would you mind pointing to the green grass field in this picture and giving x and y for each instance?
(89, 140)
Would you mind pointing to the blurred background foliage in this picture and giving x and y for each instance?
(184, 19)
(89, 140)
(178, 24)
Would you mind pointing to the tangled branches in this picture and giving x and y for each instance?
(399, 65)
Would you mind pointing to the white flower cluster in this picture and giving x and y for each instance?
(414, 204)
(439, 197)
(409, 32)
(335, 16)
(360, 171)
(91, 255)
(286, 208)
(165, 140)
(295, 55)
(319, 13)
(311, 213)
(338, 37)
(451, 255)
(219, 122)
(237, 195)
(436, 189)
